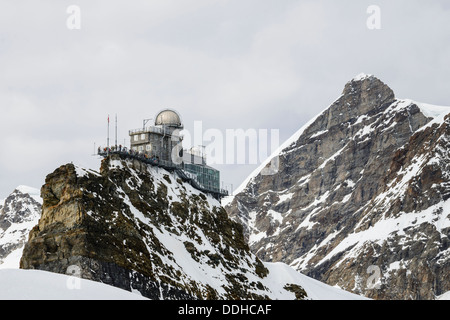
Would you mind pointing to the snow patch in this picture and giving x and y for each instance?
(281, 274)
(285, 197)
(432, 111)
(317, 134)
(362, 76)
(32, 192)
(445, 296)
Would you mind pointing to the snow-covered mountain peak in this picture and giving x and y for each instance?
(19, 212)
(32, 192)
(362, 76)
(367, 157)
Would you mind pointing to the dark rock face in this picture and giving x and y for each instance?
(122, 226)
(355, 190)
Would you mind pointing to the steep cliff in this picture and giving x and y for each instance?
(360, 198)
(141, 228)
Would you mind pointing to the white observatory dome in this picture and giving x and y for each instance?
(169, 118)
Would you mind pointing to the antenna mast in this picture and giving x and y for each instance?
(144, 122)
(107, 139)
(116, 131)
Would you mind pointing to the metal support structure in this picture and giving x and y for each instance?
(116, 131)
(144, 123)
(107, 139)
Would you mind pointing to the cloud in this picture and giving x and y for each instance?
(233, 64)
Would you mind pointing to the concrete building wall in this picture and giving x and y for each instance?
(154, 141)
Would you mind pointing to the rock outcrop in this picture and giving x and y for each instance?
(361, 197)
(141, 228)
(109, 226)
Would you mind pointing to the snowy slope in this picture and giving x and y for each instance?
(445, 296)
(281, 274)
(18, 284)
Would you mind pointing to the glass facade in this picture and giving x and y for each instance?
(208, 177)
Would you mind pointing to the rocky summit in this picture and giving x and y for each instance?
(19, 212)
(360, 197)
(143, 229)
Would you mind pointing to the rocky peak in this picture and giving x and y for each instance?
(18, 214)
(366, 93)
(330, 177)
(141, 228)
(19, 206)
(363, 98)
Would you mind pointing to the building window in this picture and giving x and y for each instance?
(148, 147)
(136, 138)
(143, 136)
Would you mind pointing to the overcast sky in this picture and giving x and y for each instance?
(250, 64)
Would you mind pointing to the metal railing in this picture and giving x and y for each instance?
(168, 165)
(152, 129)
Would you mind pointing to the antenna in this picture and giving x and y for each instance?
(107, 139)
(145, 122)
(116, 131)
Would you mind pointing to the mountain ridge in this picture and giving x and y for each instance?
(140, 228)
(329, 173)
(429, 110)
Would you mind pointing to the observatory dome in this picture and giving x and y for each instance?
(168, 118)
